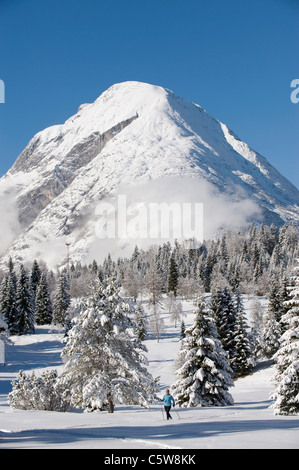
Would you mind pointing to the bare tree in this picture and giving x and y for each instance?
(132, 283)
(154, 284)
(156, 323)
(176, 312)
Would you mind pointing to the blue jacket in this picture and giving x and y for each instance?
(168, 399)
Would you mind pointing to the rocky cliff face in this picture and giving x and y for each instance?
(54, 182)
(143, 141)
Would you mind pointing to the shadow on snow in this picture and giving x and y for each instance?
(164, 433)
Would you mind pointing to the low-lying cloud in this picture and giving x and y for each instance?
(10, 226)
(209, 209)
(233, 209)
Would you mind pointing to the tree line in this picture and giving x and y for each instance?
(247, 261)
(257, 261)
(218, 347)
(26, 300)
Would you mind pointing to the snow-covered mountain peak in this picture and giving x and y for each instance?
(145, 140)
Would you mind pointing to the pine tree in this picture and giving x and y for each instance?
(11, 272)
(8, 299)
(225, 316)
(141, 323)
(105, 360)
(258, 270)
(208, 267)
(182, 330)
(286, 395)
(285, 297)
(245, 257)
(7, 304)
(94, 268)
(242, 359)
(256, 313)
(43, 304)
(205, 376)
(275, 301)
(172, 276)
(32, 392)
(62, 301)
(35, 277)
(234, 276)
(271, 333)
(271, 329)
(3, 325)
(255, 255)
(24, 304)
(223, 256)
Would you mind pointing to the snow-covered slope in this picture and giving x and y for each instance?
(143, 141)
(248, 424)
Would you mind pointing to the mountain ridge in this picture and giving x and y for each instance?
(133, 135)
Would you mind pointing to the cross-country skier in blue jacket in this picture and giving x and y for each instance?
(168, 400)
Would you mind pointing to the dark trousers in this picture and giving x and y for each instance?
(167, 409)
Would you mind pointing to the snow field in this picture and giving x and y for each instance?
(248, 424)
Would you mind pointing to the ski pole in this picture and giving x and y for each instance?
(177, 413)
(162, 412)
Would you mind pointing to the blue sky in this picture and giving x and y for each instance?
(235, 58)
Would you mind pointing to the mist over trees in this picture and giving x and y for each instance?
(256, 262)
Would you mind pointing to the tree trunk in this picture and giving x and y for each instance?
(110, 403)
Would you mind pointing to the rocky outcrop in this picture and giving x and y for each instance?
(33, 202)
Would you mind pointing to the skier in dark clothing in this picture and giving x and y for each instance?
(168, 400)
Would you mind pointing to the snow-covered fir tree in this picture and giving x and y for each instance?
(32, 392)
(62, 301)
(8, 304)
(270, 336)
(105, 361)
(141, 322)
(286, 395)
(182, 330)
(223, 308)
(275, 300)
(3, 329)
(205, 376)
(35, 278)
(242, 360)
(285, 297)
(256, 314)
(172, 276)
(24, 304)
(8, 299)
(43, 304)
